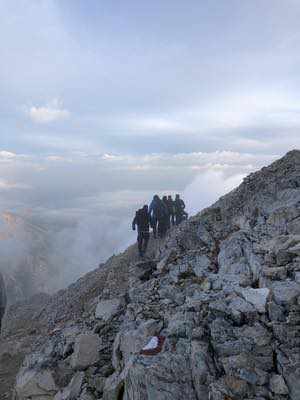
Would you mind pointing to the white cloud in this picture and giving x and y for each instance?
(7, 156)
(208, 187)
(194, 160)
(51, 112)
(218, 116)
(56, 158)
(154, 123)
(4, 185)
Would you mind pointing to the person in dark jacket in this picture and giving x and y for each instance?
(158, 213)
(171, 210)
(167, 216)
(180, 213)
(142, 221)
(3, 299)
(153, 213)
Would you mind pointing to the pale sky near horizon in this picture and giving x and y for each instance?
(103, 103)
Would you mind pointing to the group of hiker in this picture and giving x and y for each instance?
(160, 216)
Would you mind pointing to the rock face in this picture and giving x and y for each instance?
(2, 299)
(222, 289)
(107, 309)
(86, 351)
(34, 384)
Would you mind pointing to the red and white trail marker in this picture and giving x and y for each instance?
(154, 346)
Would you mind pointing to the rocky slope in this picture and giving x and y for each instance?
(223, 290)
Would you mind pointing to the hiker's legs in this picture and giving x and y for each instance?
(173, 219)
(178, 219)
(161, 227)
(145, 242)
(154, 227)
(140, 243)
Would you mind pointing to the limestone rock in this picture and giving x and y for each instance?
(107, 309)
(285, 292)
(277, 385)
(166, 376)
(202, 263)
(86, 351)
(257, 297)
(34, 384)
(203, 369)
(130, 341)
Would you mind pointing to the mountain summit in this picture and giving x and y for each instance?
(213, 314)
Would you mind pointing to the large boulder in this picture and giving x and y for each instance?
(131, 340)
(35, 384)
(73, 390)
(107, 309)
(257, 297)
(86, 351)
(285, 293)
(166, 376)
(278, 385)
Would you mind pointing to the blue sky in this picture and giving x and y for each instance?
(104, 103)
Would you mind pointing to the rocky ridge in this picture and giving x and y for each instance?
(223, 289)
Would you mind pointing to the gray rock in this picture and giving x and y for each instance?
(202, 263)
(164, 377)
(181, 325)
(85, 395)
(257, 297)
(297, 277)
(75, 385)
(292, 379)
(276, 273)
(115, 384)
(107, 309)
(34, 384)
(86, 351)
(130, 341)
(203, 369)
(278, 385)
(276, 312)
(285, 292)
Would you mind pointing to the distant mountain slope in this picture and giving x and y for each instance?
(24, 249)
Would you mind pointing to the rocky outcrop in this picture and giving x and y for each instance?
(222, 290)
(35, 384)
(86, 349)
(2, 299)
